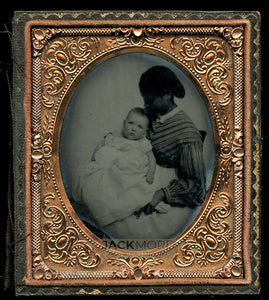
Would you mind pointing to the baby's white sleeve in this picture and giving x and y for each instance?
(108, 137)
(145, 146)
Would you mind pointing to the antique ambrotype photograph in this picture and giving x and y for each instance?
(140, 137)
(142, 174)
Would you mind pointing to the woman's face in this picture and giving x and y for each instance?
(155, 105)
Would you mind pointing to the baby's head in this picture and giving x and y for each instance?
(136, 124)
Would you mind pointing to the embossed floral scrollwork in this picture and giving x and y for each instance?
(37, 156)
(137, 36)
(210, 243)
(137, 267)
(56, 77)
(238, 152)
(61, 242)
(232, 151)
(62, 56)
(41, 270)
(209, 57)
(67, 52)
(40, 37)
(42, 151)
(234, 268)
(216, 76)
(47, 134)
(234, 36)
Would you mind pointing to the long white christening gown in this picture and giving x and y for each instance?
(114, 186)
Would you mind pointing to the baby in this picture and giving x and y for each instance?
(120, 177)
(134, 128)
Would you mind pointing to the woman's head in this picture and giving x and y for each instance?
(158, 86)
(136, 124)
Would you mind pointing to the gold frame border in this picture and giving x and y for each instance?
(247, 130)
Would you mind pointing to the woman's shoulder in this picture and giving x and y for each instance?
(178, 120)
(177, 129)
(182, 116)
(183, 119)
(187, 125)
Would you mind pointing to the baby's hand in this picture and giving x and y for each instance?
(150, 178)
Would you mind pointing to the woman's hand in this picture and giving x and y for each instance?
(150, 207)
(157, 198)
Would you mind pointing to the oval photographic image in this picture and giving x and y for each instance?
(136, 151)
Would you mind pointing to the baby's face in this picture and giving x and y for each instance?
(135, 126)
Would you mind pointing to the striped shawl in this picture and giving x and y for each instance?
(177, 143)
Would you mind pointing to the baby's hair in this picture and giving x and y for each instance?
(139, 110)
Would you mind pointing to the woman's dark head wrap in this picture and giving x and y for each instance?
(159, 81)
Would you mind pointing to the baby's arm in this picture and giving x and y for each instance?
(151, 167)
(97, 148)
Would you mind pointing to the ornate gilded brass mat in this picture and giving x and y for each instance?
(88, 222)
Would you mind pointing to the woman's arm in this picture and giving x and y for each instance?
(150, 207)
(189, 188)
